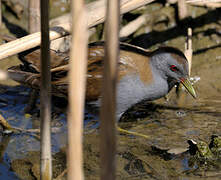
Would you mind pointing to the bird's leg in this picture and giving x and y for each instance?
(131, 133)
(32, 101)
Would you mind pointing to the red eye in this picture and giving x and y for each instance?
(173, 68)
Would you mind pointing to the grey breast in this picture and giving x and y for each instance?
(131, 90)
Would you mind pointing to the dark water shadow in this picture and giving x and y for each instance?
(155, 37)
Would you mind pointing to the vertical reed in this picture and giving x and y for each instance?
(34, 16)
(108, 119)
(77, 81)
(46, 164)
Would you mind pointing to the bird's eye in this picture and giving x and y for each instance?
(173, 68)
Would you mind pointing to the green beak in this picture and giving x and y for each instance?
(187, 84)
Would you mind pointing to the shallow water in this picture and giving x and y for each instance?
(162, 155)
(168, 124)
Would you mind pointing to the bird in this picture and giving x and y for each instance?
(142, 74)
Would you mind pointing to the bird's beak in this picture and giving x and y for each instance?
(187, 84)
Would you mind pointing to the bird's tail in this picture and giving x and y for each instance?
(26, 78)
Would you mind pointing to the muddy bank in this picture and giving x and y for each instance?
(169, 124)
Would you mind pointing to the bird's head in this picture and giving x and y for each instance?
(173, 66)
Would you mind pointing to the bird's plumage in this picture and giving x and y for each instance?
(142, 75)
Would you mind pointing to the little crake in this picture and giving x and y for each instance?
(142, 75)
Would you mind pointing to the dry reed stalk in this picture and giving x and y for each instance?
(27, 42)
(108, 108)
(182, 9)
(132, 26)
(76, 92)
(45, 96)
(188, 48)
(96, 15)
(34, 16)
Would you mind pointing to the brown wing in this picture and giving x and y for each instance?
(129, 63)
(94, 72)
(126, 65)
